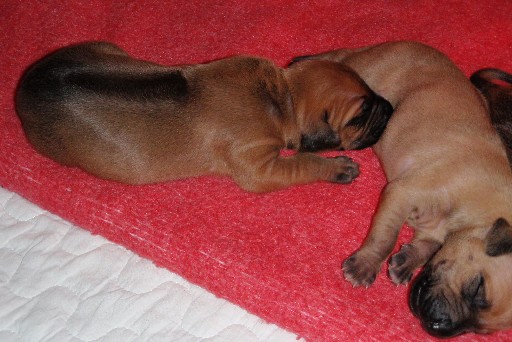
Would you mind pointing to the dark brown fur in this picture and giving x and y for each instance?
(496, 86)
(93, 106)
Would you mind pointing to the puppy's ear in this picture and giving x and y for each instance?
(333, 56)
(499, 238)
(496, 87)
(301, 58)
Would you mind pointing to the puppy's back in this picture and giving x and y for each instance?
(94, 97)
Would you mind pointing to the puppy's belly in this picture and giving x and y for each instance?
(139, 161)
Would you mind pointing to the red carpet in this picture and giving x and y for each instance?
(277, 255)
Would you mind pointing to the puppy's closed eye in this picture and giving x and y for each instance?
(474, 293)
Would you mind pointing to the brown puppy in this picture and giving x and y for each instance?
(449, 178)
(119, 118)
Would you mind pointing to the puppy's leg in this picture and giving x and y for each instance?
(411, 257)
(361, 268)
(272, 172)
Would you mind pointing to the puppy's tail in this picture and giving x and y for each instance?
(496, 87)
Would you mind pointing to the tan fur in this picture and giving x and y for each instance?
(124, 119)
(448, 177)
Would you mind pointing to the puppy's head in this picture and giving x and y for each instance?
(467, 286)
(335, 108)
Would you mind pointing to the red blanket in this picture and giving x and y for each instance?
(279, 254)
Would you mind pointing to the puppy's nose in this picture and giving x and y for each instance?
(432, 309)
(441, 327)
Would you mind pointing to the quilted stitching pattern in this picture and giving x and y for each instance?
(60, 283)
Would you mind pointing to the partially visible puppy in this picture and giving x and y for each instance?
(93, 106)
(449, 178)
(496, 86)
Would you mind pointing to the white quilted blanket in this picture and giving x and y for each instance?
(60, 283)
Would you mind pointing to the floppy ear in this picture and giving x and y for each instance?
(333, 56)
(499, 238)
(302, 58)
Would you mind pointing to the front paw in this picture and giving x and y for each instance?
(402, 265)
(360, 271)
(346, 171)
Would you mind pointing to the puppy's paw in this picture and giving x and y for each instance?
(360, 271)
(402, 265)
(346, 170)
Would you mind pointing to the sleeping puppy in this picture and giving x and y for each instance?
(132, 121)
(449, 178)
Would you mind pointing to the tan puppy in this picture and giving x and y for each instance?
(119, 118)
(449, 178)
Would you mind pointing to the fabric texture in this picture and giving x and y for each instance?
(279, 254)
(55, 286)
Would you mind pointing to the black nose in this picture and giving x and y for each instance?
(441, 327)
(433, 308)
(320, 140)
